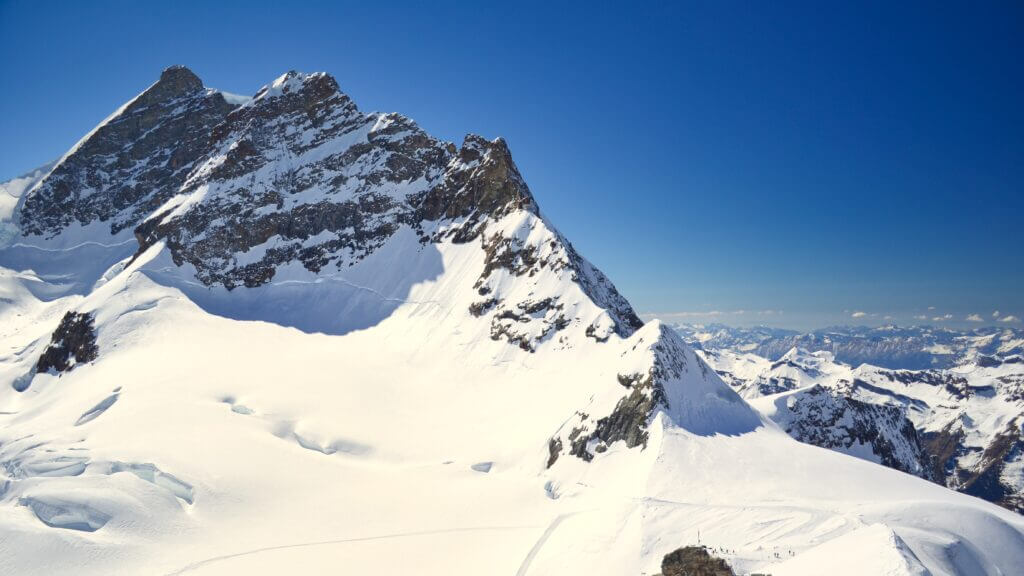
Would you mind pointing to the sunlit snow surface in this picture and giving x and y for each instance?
(201, 444)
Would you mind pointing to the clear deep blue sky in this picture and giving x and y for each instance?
(821, 159)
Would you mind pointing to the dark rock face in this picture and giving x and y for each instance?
(984, 479)
(133, 163)
(955, 460)
(694, 561)
(72, 343)
(554, 449)
(830, 419)
(774, 385)
(943, 448)
(483, 181)
(301, 165)
(627, 422)
(955, 385)
(1013, 386)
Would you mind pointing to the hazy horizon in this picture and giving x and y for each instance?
(810, 323)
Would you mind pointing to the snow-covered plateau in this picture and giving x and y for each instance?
(278, 334)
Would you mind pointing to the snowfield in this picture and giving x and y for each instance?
(207, 445)
(377, 417)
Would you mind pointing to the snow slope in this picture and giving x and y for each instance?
(456, 385)
(330, 450)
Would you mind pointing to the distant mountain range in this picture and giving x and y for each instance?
(959, 425)
(895, 347)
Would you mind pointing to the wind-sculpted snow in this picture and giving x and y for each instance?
(328, 336)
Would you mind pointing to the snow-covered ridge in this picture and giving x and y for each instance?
(294, 179)
(287, 83)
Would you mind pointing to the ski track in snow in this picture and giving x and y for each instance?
(525, 566)
(206, 562)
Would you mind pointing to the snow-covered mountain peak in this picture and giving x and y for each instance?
(300, 210)
(297, 186)
(316, 94)
(805, 358)
(292, 81)
(225, 317)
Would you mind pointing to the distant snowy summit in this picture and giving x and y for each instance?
(896, 347)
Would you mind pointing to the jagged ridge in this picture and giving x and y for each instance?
(299, 175)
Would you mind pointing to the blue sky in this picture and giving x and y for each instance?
(710, 157)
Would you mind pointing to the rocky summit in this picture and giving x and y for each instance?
(132, 163)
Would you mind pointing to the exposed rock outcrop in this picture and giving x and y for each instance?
(988, 478)
(676, 382)
(72, 343)
(694, 561)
